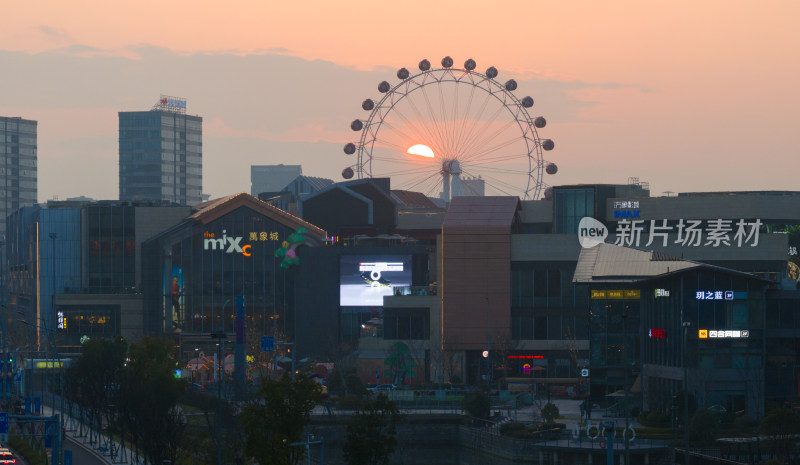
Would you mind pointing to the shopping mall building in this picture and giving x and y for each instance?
(596, 289)
(698, 289)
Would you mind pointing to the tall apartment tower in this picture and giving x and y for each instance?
(161, 154)
(18, 152)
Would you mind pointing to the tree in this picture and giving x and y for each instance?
(780, 425)
(476, 404)
(93, 380)
(148, 400)
(704, 426)
(371, 432)
(550, 413)
(400, 364)
(278, 419)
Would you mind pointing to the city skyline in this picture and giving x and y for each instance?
(686, 96)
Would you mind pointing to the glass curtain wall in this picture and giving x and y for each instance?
(201, 276)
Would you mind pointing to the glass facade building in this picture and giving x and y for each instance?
(160, 156)
(18, 145)
(193, 272)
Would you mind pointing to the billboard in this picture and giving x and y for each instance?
(365, 279)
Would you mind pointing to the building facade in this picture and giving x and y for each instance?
(75, 270)
(18, 148)
(161, 154)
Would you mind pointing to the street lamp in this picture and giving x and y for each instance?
(686, 325)
(625, 365)
(220, 336)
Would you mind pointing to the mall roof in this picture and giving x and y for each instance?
(413, 200)
(610, 263)
(492, 214)
(211, 210)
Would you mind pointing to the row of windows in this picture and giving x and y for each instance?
(547, 286)
(552, 327)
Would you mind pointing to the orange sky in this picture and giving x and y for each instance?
(709, 85)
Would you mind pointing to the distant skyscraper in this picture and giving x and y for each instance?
(161, 154)
(18, 152)
(272, 178)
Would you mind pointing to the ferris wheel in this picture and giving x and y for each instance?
(451, 131)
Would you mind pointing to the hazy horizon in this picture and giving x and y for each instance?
(685, 96)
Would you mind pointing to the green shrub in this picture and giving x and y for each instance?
(476, 404)
(349, 402)
(657, 419)
(507, 429)
(32, 456)
(550, 413)
(704, 426)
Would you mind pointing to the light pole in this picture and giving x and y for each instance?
(686, 325)
(626, 365)
(220, 336)
(488, 346)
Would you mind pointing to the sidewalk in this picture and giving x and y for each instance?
(108, 450)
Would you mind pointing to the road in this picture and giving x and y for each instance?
(80, 456)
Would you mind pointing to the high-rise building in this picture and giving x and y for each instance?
(161, 154)
(272, 178)
(18, 151)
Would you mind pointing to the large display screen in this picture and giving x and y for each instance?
(365, 279)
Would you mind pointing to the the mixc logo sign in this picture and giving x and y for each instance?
(689, 233)
(227, 243)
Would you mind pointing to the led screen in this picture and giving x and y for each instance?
(365, 279)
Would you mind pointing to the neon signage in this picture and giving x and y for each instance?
(233, 244)
(662, 293)
(511, 357)
(616, 294)
(657, 333)
(719, 295)
(723, 334)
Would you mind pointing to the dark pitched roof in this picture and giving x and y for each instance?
(612, 263)
(213, 209)
(415, 200)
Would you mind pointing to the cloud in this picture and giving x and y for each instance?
(262, 107)
(55, 33)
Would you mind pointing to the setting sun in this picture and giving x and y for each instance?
(421, 150)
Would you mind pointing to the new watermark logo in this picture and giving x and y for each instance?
(591, 232)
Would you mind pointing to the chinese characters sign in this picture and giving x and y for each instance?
(662, 293)
(615, 294)
(723, 334)
(657, 333)
(263, 236)
(719, 295)
(690, 233)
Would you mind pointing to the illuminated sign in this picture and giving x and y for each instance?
(173, 102)
(657, 333)
(233, 244)
(723, 334)
(62, 322)
(49, 364)
(511, 357)
(719, 295)
(526, 368)
(366, 279)
(662, 293)
(690, 233)
(616, 294)
(626, 204)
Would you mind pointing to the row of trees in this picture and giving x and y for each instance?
(131, 392)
